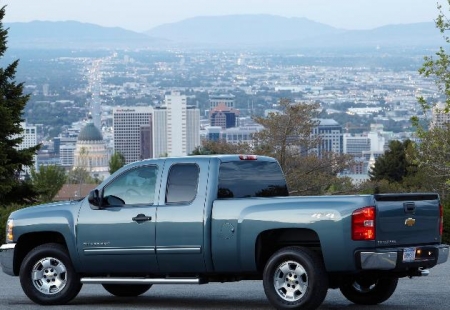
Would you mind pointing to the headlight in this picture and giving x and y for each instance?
(9, 230)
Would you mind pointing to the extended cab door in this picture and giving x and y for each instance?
(119, 237)
(180, 216)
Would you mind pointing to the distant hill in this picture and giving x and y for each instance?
(70, 34)
(281, 31)
(233, 31)
(248, 29)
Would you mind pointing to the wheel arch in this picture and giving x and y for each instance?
(29, 241)
(270, 241)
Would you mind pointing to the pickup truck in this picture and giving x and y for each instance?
(221, 218)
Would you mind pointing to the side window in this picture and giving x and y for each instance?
(136, 186)
(240, 179)
(182, 183)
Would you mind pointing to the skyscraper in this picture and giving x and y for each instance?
(29, 140)
(176, 127)
(131, 132)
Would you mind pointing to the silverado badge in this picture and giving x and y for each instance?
(410, 222)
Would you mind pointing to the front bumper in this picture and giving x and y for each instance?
(392, 258)
(7, 258)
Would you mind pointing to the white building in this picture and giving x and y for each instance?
(439, 117)
(176, 127)
(29, 140)
(91, 153)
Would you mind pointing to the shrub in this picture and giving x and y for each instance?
(4, 214)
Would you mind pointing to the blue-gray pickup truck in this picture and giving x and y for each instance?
(200, 219)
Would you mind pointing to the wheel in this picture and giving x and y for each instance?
(368, 291)
(47, 275)
(295, 278)
(127, 290)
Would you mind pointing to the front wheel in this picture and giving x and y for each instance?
(295, 278)
(127, 290)
(47, 275)
(367, 290)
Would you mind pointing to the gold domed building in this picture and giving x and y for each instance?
(91, 153)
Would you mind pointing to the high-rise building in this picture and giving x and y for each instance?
(330, 133)
(131, 132)
(29, 140)
(176, 127)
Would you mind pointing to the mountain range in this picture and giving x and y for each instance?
(232, 31)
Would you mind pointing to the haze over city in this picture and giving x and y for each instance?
(142, 15)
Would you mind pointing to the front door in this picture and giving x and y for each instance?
(120, 237)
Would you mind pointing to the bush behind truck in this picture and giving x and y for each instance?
(200, 219)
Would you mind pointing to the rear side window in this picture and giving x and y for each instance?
(239, 179)
(182, 184)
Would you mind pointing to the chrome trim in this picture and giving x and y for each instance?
(114, 251)
(140, 281)
(443, 254)
(381, 261)
(7, 246)
(179, 250)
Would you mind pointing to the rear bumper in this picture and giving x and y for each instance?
(7, 258)
(392, 258)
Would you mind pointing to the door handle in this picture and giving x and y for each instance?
(141, 218)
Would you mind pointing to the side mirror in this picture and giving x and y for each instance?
(95, 199)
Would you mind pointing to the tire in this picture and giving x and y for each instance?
(368, 291)
(127, 290)
(295, 278)
(48, 277)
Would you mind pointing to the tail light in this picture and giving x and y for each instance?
(441, 220)
(363, 224)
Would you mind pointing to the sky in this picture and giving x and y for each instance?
(142, 15)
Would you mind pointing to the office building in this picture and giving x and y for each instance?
(131, 127)
(222, 112)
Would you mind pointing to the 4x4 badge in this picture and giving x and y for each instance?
(410, 222)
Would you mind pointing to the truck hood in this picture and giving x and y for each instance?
(70, 206)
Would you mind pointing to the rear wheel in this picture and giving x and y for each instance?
(47, 275)
(368, 290)
(295, 278)
(127, 290)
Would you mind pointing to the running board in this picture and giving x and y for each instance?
(140, 281)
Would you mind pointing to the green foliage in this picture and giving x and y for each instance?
(80, 176)
(209, 147)
(393, 165)
(48, 181)
(4, 214)
(116, 162)
(438, 67)
(12, 103)
(446, 234)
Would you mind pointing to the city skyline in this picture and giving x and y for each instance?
(140, 15)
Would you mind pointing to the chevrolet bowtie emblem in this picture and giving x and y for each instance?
(410, 222)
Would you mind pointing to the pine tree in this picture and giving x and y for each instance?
(12, 103)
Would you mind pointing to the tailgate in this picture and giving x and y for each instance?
(407, 219)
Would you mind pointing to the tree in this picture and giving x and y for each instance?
(48, 181)
(80, 176)
(116, 162)
(393, 165)
(438, 67)
(288, 136)
(209, 147)
(12, 104)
